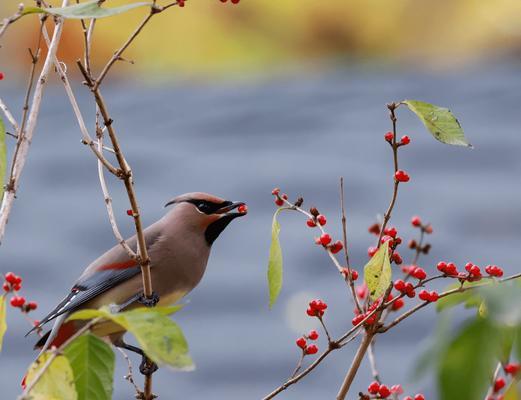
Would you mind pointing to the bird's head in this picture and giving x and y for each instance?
(207, 212)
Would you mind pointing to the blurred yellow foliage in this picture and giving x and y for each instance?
(209, 37)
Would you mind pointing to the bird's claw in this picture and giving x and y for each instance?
(147, 367)
(149, 301)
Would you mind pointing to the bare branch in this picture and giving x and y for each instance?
(9, 116)
(26, 138)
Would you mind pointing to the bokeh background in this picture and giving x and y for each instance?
(235, 100)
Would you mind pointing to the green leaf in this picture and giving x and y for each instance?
(56, 383)
(86, 10)
(377, 272)
(3, 161)
(160, 338)
(477, 345)
(275, 261)
(92, 361)
(3, 323)
(502, 302)
(507, 337)
(471, 298)
(440, 122)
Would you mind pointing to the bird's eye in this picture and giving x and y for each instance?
(203, 207)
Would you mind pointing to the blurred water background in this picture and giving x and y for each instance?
(243, 99)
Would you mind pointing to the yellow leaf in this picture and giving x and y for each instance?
(3, 323)
(56, 383)
(377, 272)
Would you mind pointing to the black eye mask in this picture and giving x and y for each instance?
(208, 207)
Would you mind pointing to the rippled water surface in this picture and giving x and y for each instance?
(239, 140)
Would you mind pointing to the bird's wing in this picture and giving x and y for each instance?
(111, 269)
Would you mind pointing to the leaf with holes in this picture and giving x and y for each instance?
(92, 361)
(378, 273)
(90, 9)
(3, 158)
(275, 261)
(56, 382)
(440, 122)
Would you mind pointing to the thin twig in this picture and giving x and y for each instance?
(130, 377)
(344, 233)
(372, 362)
(21, 156)
(490, 390)
(392, 107)
(9, 116)
(9, 20)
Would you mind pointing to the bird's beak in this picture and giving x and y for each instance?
(228, 210)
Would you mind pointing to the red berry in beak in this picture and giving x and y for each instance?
(243, 209)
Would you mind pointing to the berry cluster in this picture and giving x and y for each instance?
(390, 235)
(316, 308)
(376, 390)
(308, 349)
(13, 283)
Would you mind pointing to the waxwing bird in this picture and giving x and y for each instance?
(178, 245)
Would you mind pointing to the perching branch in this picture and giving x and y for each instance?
(25, 137)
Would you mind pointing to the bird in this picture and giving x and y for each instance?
(178, 245)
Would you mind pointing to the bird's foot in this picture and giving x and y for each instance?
(147, 367)
(149, 301)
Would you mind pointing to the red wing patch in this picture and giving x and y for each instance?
(118, 266)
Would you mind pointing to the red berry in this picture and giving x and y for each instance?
(325, 239)
(32, 305)
(433, 296)
(468, 266)
(1, 76)
(36, 322)
(311, 349)
(424, 295)
(181, 3)
(17, 287)
(441, 266)
(396, 389)
(512, 368)
(408, 398)
(361, 291)
(371, 251)
(397, 304)
(321, 219)
(405, 140)
(451, 269)
(301, 342)
(356, 320)
(243, 209)
(419, 273)
(373, 387)
(384, 391)
(275, 191)
(499, 384)
(416, 221)
(391, 231)
(311, 223)
(130, 213)
(374, 229)
(313, 335)
(419, 396)
(6, 287)
(401, 176)
(279, 202)
(399, 285)
(10, 277)
(387, 238)
(389, 136)
(336, 247)
(475, 271)
(17, 301)
(235, 1)
(311, 312)
(284, 196)
(18, 280)
(318, 304)
(428, 229)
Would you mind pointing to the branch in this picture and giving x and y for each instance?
(9, 20)
(355, 365)
(372, 362)
(9, 116)
(344, 233)
(26, 138)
